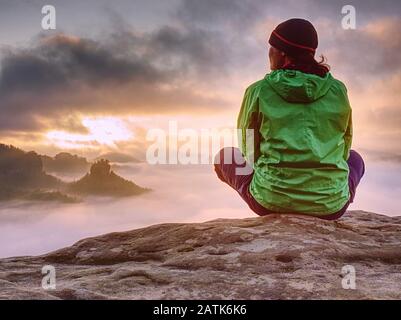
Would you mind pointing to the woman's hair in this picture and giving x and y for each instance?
(308, 64)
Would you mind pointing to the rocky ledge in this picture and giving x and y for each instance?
(273, 257)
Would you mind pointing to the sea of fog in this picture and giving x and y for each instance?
(180, 194)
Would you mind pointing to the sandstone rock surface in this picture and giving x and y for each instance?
(273, 257)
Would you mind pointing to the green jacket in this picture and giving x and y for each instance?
(303, 135)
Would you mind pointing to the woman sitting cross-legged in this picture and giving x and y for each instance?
(300, 160)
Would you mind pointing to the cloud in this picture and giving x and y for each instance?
(63, 60)
(156, 72)
(369, 51)
(238, 14)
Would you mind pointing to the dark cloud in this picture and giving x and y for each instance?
(64, 61)
(64, 73)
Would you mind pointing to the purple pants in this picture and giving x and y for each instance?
(227, 173)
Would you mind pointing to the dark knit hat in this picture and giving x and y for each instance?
(295, 37)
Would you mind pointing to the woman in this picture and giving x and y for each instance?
(301, 155)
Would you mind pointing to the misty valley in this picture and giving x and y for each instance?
(51, 202)
(25, 176)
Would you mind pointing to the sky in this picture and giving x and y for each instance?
(128, 62)
(112, 70)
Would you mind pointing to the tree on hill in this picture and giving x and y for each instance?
(100, 168)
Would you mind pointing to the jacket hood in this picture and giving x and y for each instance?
(296, 86)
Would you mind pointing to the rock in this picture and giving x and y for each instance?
(102, 181)
(273, 257)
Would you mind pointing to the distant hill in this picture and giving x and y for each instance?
(22, 177)
(65, 162)
(19, 169)
(118, 157)
(101, 180)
